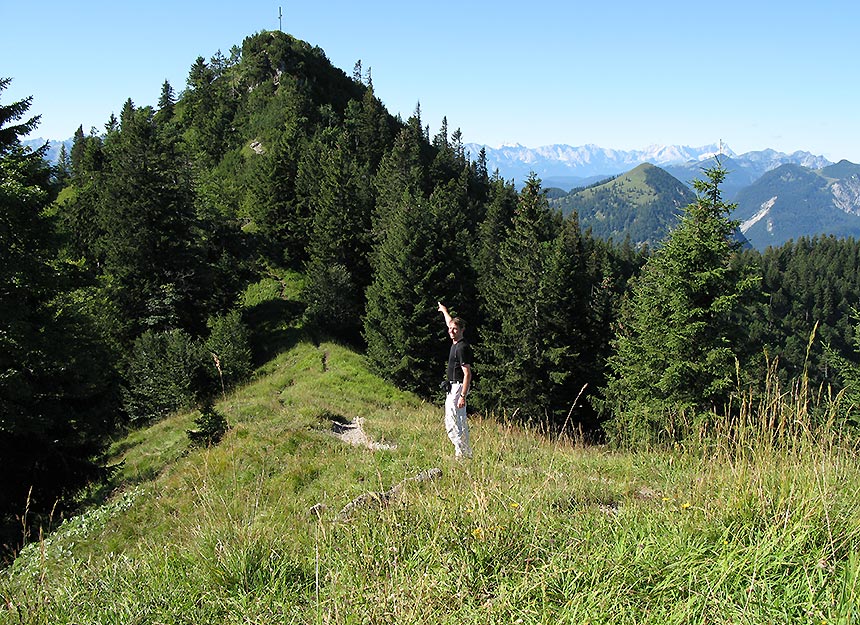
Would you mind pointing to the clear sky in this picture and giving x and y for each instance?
(755, 74)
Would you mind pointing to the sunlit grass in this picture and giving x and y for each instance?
(732, 528)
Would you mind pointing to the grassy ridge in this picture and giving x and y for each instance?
(532, 531)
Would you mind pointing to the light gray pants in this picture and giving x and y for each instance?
(456, 423)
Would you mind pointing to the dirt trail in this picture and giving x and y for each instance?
(353, 433)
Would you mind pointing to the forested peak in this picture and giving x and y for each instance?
(643, 184)
(641, 169)
(842, 169)
(643, 204)
(268, 56)
(789, 172)
(655, 178)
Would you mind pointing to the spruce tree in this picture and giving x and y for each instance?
(58, 397)
(401, 325)
(134, 221)
(492, 231)
(514, 353)
(675, 351)
(166, 102)
(574, 321)
(339, 243)
(404, 169)
(208, 109)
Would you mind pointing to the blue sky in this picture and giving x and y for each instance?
(621, 75)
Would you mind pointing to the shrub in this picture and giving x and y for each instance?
(228, 351)
(211, 427)
(164, 374)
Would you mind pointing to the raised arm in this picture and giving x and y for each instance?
(444, 311)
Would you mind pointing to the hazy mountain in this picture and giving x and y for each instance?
(574, 165)
(53, 153)
(793, 201)
(643, 203)
(745, 169)
(567, 166)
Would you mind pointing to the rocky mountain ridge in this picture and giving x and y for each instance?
(568, 166)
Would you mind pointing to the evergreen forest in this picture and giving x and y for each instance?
(137, 271)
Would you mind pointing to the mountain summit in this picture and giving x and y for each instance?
(642, 204)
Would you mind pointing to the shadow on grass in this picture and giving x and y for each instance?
(274, 328)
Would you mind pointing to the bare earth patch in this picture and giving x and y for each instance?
(352, 432)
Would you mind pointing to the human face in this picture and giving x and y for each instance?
(455, 332)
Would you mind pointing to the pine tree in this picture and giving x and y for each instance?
(678, 332)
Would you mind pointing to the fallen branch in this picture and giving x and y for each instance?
(380, 499)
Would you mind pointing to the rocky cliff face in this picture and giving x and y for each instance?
(846, 195)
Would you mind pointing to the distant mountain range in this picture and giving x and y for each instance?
(567, 166)
(639, 193)
(53, 153)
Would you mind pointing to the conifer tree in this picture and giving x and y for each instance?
(280, 182)
(492, 231)
(166, 102)
(57, 395)
(208, 110)
(402, 170)
(514, 356)
(63, 168)
(571, 325)
(134, 220)
(449, 203)
(401, 327)
(675, 350)
(339, 244)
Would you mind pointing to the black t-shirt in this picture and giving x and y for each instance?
(460, 354)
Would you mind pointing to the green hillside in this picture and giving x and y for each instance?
(643, 204)
(533, 530)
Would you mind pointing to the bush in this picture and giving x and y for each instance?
(164, 374)
(211, 427)
(229, 351)
(333, 303)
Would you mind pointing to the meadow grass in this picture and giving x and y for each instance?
(737, 526)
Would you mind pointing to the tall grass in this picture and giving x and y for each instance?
(754, 519)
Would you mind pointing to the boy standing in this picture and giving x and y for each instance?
(459, 380)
